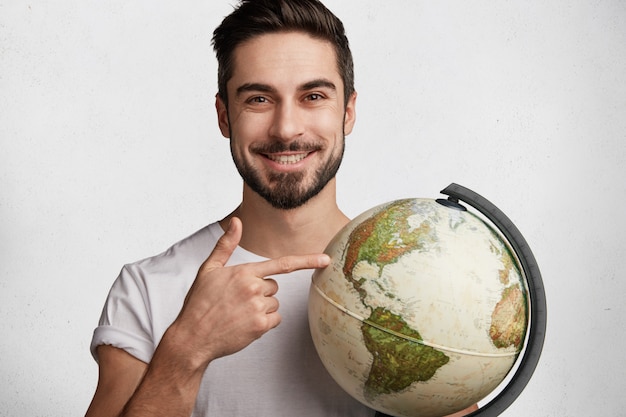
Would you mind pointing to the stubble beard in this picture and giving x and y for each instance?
(287, 191)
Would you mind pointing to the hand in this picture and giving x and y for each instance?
(227, 308)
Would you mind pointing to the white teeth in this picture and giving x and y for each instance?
(288, 159)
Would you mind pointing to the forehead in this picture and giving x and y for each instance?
(284, 59)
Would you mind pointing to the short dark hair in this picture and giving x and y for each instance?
(257, 17)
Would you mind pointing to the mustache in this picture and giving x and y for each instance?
(278, 147)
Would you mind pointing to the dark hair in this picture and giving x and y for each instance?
(257, 17)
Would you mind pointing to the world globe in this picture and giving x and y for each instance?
(423, 310)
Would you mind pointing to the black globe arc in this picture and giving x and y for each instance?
(536, 290)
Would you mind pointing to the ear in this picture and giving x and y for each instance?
(222, 116)
(350, 116)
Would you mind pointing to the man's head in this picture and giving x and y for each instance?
(286, 97)
(257, 17)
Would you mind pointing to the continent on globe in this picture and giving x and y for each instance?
(382, 239)
(398, 362)
(508, 320)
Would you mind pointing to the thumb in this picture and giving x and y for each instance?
(225, 245)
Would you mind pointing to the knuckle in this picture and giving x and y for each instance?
(255, 288)
(206, 266)
(257, 306)
(259, 324)
(240, 275)
(285, 264)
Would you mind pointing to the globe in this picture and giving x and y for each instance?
(423, 309)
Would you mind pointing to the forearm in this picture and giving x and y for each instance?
(170, 385)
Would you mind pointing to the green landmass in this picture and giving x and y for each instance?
(381, 240)
(398, 362)
(385, 237)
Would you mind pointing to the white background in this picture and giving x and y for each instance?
(110, 153)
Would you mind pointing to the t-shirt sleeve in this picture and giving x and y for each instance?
(125, 320)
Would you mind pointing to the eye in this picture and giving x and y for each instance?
(257, 99)
(314, 97)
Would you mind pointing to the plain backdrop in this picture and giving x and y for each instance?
(110, 153)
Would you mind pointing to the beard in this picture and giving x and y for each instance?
(287, 191)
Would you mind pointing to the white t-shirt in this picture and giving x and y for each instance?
(279, 374)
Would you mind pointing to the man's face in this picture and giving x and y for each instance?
(286, 117)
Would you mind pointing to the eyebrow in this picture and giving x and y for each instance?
(265, 88)
(320, 82)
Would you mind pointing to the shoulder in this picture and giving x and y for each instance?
(188, 253)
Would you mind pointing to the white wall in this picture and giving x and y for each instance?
(110, 152)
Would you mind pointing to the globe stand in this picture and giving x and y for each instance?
(538, 313)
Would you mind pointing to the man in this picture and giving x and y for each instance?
(216, 325)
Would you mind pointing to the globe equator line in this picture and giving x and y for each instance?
(403, 336)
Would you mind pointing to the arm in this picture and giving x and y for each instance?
(128, 386)
(226, 309)
(119, 375)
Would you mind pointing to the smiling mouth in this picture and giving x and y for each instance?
(289, 159)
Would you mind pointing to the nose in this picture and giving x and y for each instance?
(288, 122)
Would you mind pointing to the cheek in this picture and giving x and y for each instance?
(327, 124)
(249, 127)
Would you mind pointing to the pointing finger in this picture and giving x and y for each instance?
(288, 264)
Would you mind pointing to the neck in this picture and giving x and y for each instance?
(272, 232)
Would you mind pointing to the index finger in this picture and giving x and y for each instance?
(286, 264)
